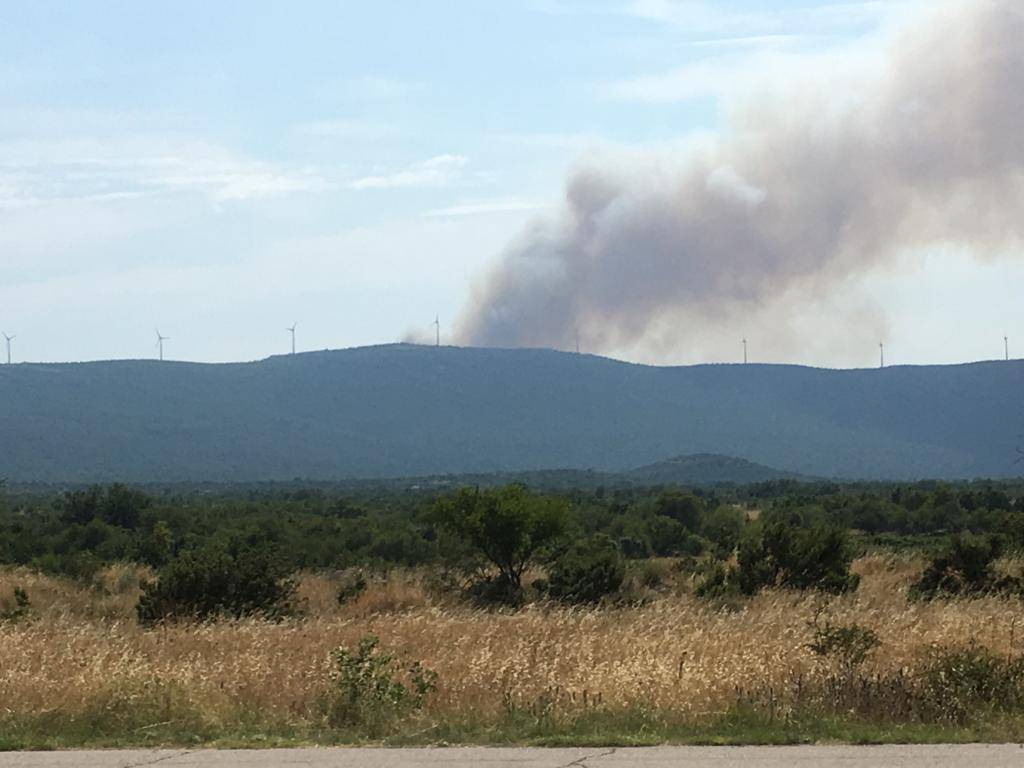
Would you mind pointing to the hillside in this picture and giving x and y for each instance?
(706, 469)
(403, 410)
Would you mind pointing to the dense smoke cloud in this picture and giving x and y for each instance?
(801, 193)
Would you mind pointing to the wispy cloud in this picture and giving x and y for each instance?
(41, 172)
(481, 207)
(699, 17)
(745, 72)
(439, 171)
(350, 129)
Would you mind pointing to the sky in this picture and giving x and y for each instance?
(222, 170)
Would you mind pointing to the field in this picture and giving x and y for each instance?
(80, 670)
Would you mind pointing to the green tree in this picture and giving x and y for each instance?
(116, 505)
(123, 506)
(507, 526)
(684, 508)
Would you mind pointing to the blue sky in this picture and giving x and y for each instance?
(223, 169)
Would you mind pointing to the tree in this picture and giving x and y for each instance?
(123, 506)
(684, 508)
(116, 505)
(508, 527)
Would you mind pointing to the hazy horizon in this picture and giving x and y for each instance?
(169, 359)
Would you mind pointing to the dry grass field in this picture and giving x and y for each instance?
(81, 660)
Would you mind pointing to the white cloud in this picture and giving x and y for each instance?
(439, 171)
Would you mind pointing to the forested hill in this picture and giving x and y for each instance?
(402, 410)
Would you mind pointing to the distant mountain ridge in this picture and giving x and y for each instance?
(403, 410)
(707, 469)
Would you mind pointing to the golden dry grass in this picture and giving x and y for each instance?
(674, 654)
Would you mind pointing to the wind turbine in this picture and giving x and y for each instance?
(744, 351)
(1006, 345)
(577, 341)
(8, 340)
(437, 328)
(881, 355)
(292, 332)
(160, 343)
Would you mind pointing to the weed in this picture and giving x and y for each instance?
(371, 689)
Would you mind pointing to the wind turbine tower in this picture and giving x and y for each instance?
(160, 343)
(8, 340)
(1006, 346)
(881, 355)
(291, 330)
(577, 341)
(437, 329)
(744, 351)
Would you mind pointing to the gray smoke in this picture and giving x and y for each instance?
(802, 192)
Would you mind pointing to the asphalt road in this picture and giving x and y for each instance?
(972, 755)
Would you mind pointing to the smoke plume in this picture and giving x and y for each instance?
(801, 193)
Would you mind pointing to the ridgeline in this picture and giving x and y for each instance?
(404, 410)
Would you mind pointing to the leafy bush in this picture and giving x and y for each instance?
(588, 571)
(653, 573)
(372, 689)
(19, 610)
(723, 527)
(961, 682)
(351, 587)
(965, 567)
(717, 582)
(849, 645)
(671, 538)
(792, 555)
(214, 582)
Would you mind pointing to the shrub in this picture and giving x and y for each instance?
(717, 582)
(351, 587)
(670, 538)
(653, 574)
(588, 571)
(849, 645)
(19, 610)
(795, 556)
(497, 590)
(961, 682)
(214, 582)
(372, 688)
(965, 567)
(723, 527)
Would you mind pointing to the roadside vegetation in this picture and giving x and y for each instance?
(776, 613)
